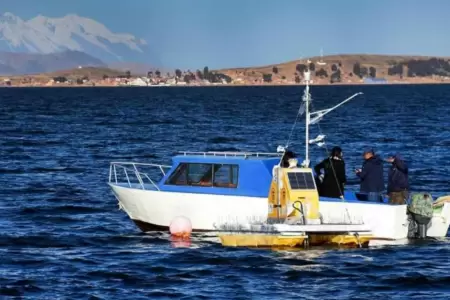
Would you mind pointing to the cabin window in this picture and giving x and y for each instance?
(195, 174)
(301, 181)
(200, 174)
(179, 176)
(225, 175)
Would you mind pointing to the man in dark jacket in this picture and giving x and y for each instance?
(371, 175)
(398, 184)
(334, 177)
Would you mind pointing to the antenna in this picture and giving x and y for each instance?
(311, 118)
(315, 117)
(307, 100)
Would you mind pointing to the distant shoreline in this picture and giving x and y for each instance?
(222, 85)
(337, 70)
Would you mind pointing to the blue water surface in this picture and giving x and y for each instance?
(62, 235)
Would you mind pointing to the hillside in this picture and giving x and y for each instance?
(93, 73)
(137, 68)
(348, 69)
(336, 69)
(78, 76)
(12, 63)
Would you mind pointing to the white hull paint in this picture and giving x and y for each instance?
(158, 208)
(440, 223)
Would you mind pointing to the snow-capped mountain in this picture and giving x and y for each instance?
(48, 35)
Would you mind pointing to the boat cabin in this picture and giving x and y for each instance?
(231, 173)
(221, 173)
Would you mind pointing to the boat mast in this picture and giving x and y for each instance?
(306, 99)
(310, 118)
(316, 116)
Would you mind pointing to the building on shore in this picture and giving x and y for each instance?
(375, 80)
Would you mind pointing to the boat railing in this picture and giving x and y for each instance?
(124, 168)
(230, 154)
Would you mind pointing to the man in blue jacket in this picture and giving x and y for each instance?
(371, 175)
(398, 184)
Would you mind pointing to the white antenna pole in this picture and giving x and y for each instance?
(306, 98)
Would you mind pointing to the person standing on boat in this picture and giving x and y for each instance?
(371, 175)
(398, 184)
(287, 159)
(334, 177)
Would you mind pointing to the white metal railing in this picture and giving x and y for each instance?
(231, 154)
(134, 168)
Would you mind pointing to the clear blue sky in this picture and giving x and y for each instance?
(229, 33)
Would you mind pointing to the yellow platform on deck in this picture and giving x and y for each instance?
(273, 240)
(261, 240)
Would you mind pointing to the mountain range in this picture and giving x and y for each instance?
(31, 63)
(32, 44)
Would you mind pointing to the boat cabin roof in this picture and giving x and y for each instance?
(212, 155)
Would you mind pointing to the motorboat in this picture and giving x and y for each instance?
(216, 188)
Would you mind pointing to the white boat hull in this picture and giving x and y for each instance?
(154, 210)
(440, 223)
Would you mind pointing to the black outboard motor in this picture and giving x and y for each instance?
(420, 211)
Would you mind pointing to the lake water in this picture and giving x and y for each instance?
(62, 235)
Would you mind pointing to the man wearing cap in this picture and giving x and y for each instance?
(398, 184)
(371, 175)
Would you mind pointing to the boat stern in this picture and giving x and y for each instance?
(440, 221)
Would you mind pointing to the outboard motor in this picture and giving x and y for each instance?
(420, 210)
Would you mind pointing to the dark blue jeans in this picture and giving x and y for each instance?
(375, 196)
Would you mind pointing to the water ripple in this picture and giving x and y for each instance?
(62, 235)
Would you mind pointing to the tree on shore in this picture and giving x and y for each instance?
(128, 74)
(321, 73)
(396, 69)
(158, 73)
(149, 74)
(178, 73)
(105, 76)
(60, 79)
(372, 72)
(267, 77)
(206, 73)
(301, 68)
(312, 67)
(336, 76)
(364, 72)
(219, 77)
(357, 69)
(199, 74)
(275, 70)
